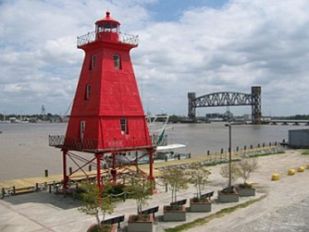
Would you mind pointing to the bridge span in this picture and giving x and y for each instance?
(286, 122)
(227, 99)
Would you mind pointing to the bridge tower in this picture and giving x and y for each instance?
(256, 104)
(107, 117)
(191, 106)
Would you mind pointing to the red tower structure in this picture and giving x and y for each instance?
(107, 116)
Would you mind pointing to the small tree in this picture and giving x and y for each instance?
(176, 179)
(139, 189)
(245, 167)
(234, 171)
(93, 203)
(198, 176)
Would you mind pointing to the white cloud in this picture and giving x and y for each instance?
(230, 49)
(243, 43)
(39, 61)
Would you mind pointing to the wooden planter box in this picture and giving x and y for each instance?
(246, 191)
(227, 197)
(140, 223)
(204, 205)
(174, 213)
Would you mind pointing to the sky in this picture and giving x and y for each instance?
(201, 46)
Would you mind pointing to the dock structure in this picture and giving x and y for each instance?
(31, 184)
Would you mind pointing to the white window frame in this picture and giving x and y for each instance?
(117, 61)
(124, 126)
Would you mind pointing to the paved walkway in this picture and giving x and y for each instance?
(284, 208)
(48, 212)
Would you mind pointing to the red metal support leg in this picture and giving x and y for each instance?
(136, 162)
(65, 176)
(151, 176)
(99, 181)
(150, 153)
(114, 171)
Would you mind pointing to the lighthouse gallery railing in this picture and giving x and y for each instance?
(90, 144)
(91, 37)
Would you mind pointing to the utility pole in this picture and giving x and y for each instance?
(229, 125)
(230, 154)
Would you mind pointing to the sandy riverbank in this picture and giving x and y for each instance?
(289, 196)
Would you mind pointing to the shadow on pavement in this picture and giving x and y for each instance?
(60, 201)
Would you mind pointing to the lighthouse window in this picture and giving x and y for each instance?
(117, 62)
(92, 62)
(124, 126)
(82, 128)
(87, 92)
(100, 28)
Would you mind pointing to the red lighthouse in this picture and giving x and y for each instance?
(107, 116)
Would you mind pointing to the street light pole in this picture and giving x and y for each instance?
(229, 125)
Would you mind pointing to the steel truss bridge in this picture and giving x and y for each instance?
(227, 99)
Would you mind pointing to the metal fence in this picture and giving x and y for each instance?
(92, 36)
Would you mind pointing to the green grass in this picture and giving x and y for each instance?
(266, 154)
(214, 163)
(219, 214)
(305, 152)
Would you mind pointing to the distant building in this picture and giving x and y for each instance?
(13, 119)
(247, 117)
(228, 116)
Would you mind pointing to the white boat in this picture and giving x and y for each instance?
(158, 125)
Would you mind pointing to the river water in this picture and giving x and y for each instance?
(24, 150)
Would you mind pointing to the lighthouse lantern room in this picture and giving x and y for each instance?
(107, 117)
